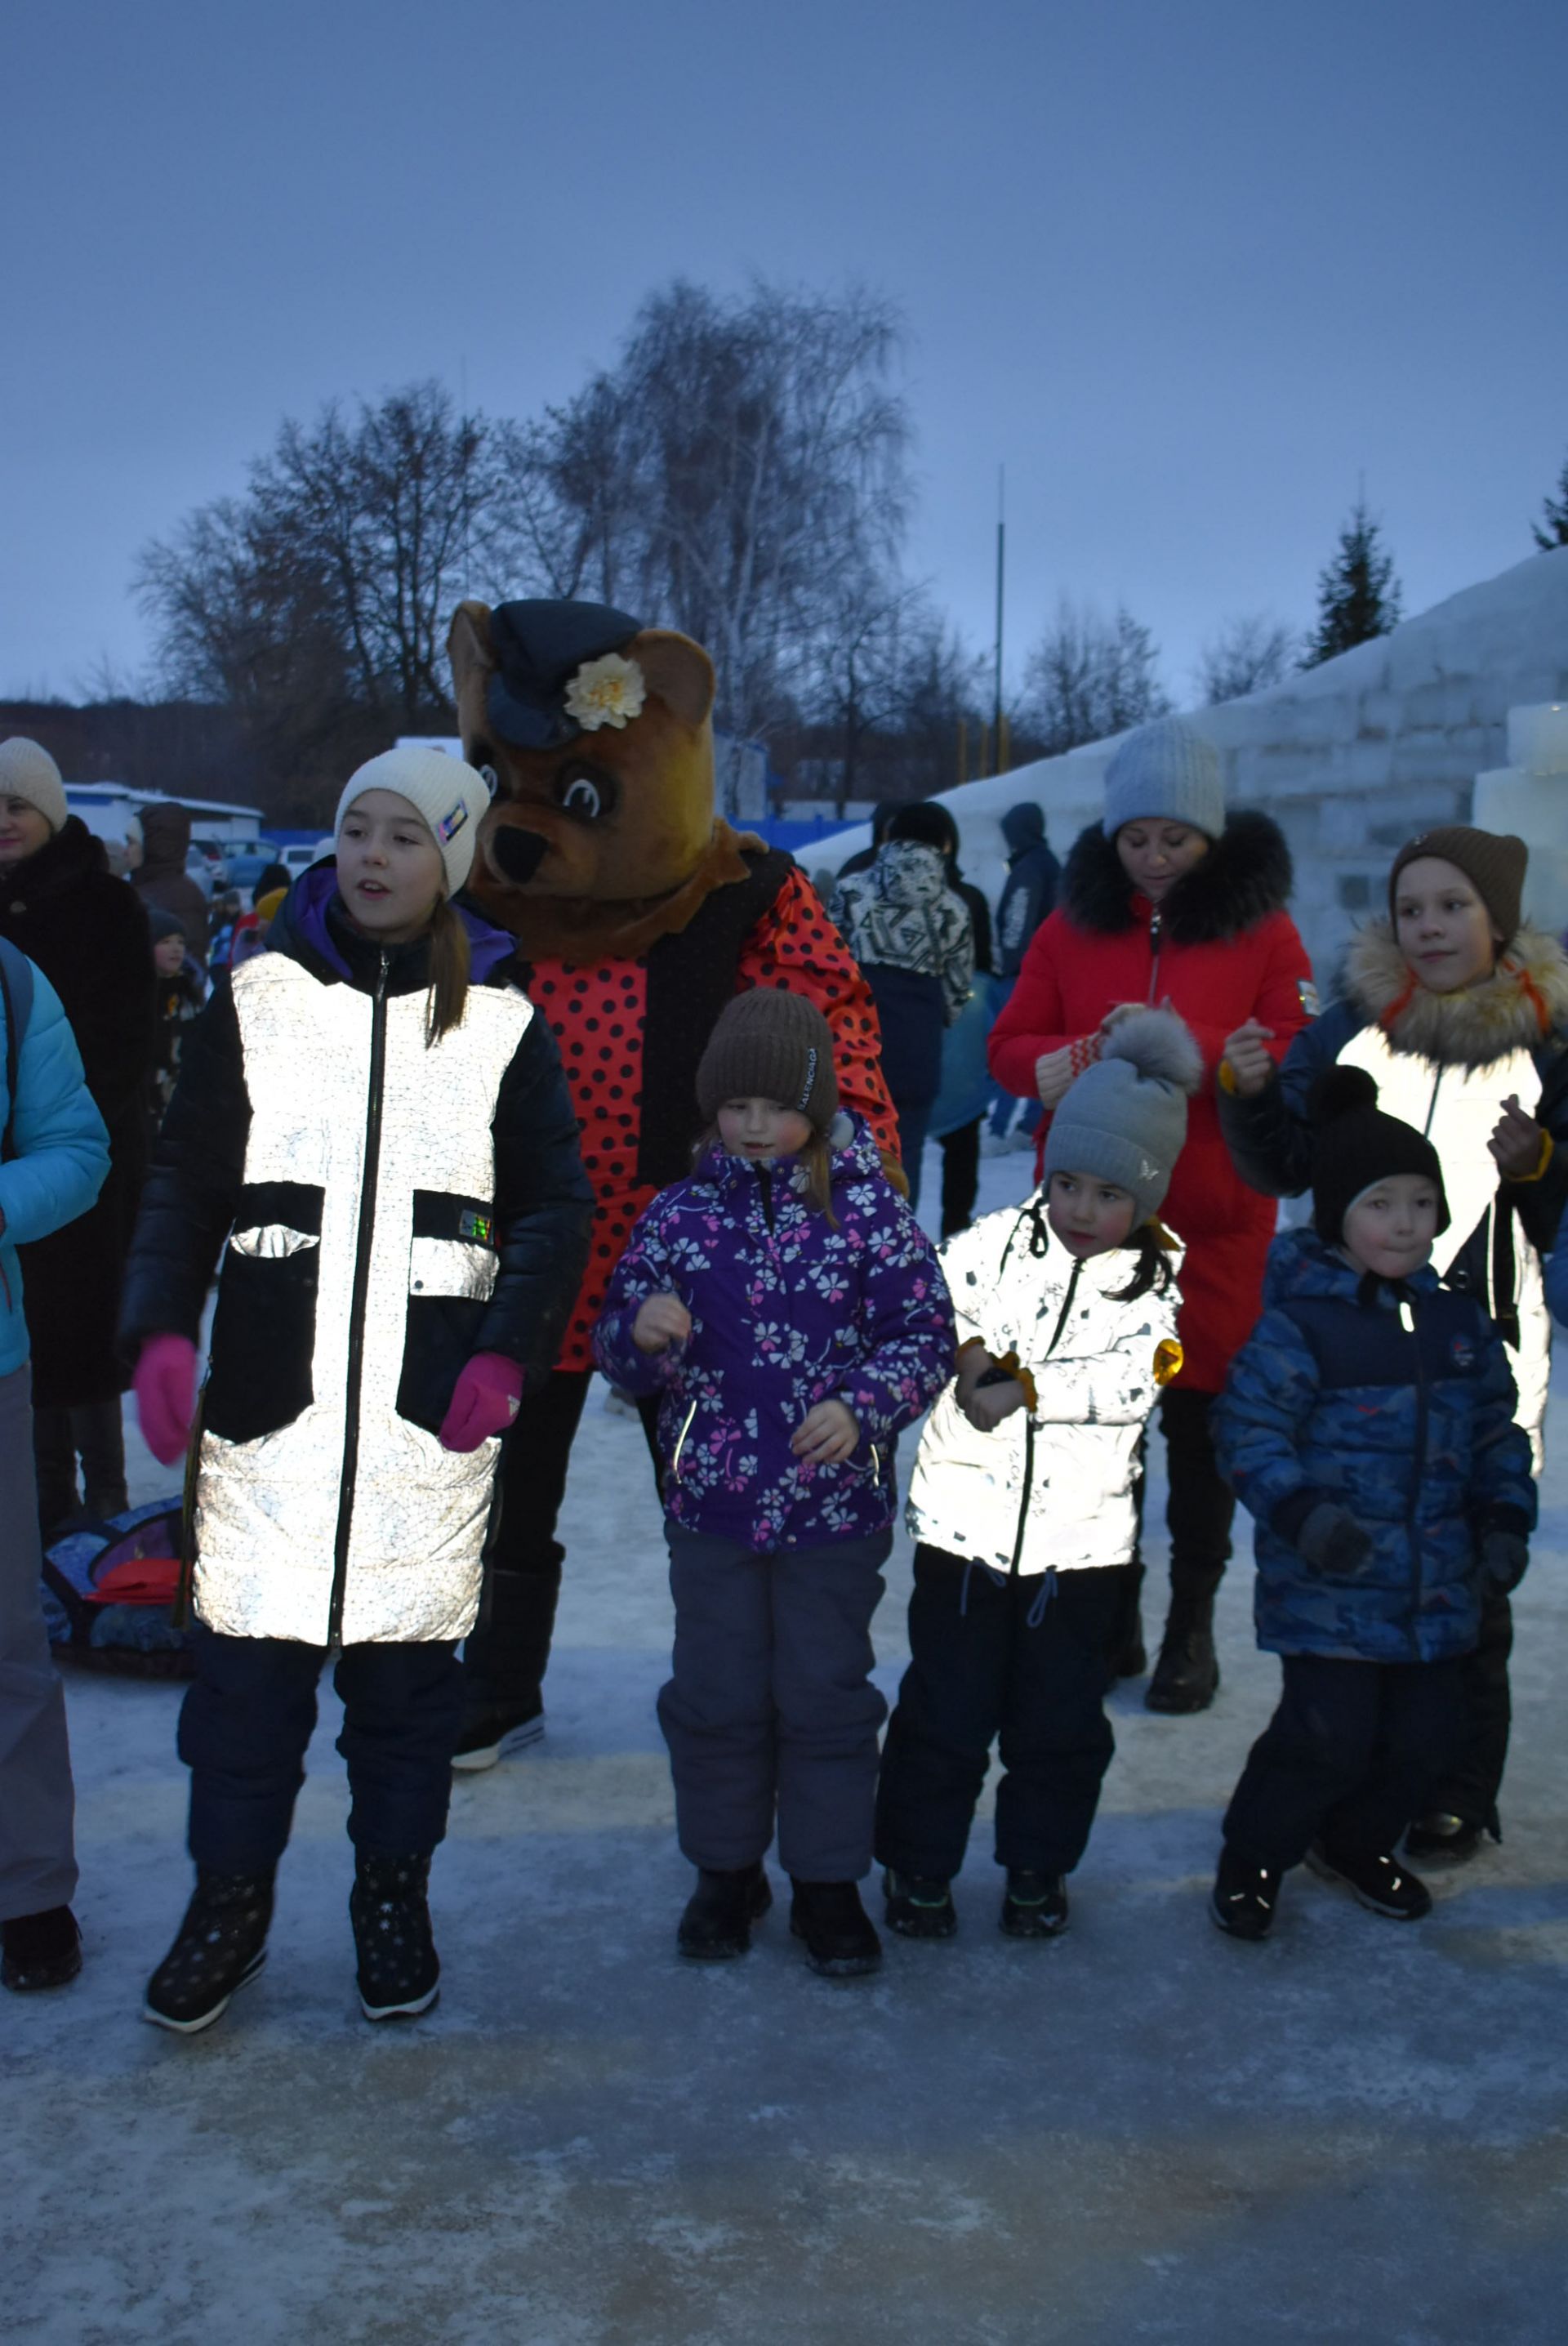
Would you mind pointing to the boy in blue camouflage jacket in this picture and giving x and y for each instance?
(1368, 1427)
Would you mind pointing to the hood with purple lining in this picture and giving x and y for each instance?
(312, 925)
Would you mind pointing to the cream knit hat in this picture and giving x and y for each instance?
(451, 798)
(28, 772)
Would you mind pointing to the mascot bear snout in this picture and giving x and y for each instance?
(515, 854)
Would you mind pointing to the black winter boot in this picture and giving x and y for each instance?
(1186, 1674)
(1442, 1838)
(717, 1924)
(220, 1946)
(1035, 1905)
(40, 1950)
(917, 1908)
(400, 1970)
(1244, 1896)
(1379, 1884)
(840, 1939)
(504, 1663)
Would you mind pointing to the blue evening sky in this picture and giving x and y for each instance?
(1190, 270)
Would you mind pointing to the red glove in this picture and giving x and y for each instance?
(484, 1401)
(165, 1383)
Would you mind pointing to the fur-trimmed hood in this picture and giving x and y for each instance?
(1246, 875)
(1523, 1000)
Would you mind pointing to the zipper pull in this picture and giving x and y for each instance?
(382, 975)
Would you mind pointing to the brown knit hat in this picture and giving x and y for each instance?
(1493, 861)
(769, 1044)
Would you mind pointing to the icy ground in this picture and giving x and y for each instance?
(1146, 2132)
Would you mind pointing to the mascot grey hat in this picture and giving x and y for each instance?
(1125, 1118)
(1165, 772)
(451, 799)
(28, 772)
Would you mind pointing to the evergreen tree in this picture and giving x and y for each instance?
(1556, 530)
(1358, 594)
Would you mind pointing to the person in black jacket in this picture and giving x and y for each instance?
(87, 931)
(1033, 876)
(371, 1126)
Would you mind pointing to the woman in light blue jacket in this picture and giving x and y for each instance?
(53, 1157)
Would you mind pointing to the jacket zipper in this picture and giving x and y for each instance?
(1029, 1421)
(680, 1441)
(1421, 1455)
(363, 1237)
(1153, 952)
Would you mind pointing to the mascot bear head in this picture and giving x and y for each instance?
(595, 736)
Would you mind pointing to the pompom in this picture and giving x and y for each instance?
(1341, 1091)
(1159, 1045)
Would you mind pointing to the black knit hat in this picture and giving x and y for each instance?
(1357, 1146)
(770, 1044)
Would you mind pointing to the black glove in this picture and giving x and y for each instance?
(1332, 1542)
(1504, 1556)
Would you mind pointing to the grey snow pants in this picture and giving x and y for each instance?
(37, 1802)
(770, 1706)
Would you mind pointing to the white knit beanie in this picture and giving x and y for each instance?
(28, 772)
(449, 797)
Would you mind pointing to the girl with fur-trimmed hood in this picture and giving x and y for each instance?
(1171, 900)
(1457, 1008)
(1023, 1500)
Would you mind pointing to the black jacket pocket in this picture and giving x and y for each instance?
(451, 1276)
(264, 1330)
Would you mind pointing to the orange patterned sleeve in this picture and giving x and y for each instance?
(796, 946)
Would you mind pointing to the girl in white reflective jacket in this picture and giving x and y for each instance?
(1023, 1500)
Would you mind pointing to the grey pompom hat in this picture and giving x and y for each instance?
(1125, 1118)
(1166, 772)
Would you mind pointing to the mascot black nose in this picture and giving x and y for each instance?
(518, 852)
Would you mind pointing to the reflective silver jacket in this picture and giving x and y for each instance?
(370, 1251)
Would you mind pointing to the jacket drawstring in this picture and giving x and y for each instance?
(1037, 1611)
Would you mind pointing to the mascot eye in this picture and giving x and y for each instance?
(491, 779)
(586, 793)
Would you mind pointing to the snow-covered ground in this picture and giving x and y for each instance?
(1144, 2132)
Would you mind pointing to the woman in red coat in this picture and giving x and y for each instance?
(1167, 900)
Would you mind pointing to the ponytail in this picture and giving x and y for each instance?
(448, 968)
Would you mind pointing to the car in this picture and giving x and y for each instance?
(249, 861)
(213, 850)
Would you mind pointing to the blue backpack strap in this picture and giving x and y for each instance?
(16, 1004)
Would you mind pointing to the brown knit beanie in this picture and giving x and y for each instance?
(769, 1044)
(1493, 861)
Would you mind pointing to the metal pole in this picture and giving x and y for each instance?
(1001, 557)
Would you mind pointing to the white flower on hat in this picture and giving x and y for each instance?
(607, 691)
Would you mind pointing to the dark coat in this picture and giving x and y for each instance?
(88, 934)
(1033, 876)
(161, 877)
(1397, 1405)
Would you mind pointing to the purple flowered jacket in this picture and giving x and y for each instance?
(786, 1311)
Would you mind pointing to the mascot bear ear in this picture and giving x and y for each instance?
(673, 667)
(468, 645)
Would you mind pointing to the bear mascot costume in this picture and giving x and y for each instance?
(637, 916)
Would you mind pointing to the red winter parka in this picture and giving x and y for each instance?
(1220, 949)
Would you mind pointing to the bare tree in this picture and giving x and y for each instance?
(1243, 656)
(1089, 677)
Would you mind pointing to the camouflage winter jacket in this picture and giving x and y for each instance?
(1396, 1403)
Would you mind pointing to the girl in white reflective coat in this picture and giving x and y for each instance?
(372, 1137)
(1023, 1500)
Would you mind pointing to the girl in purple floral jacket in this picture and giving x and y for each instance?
(793, 1313)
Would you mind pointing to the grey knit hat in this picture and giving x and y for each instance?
(1123, 1119)
(1165, 772)
(770, 1044)
(28, 772)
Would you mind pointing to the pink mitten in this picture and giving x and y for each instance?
(484, 1401)
(165, 1383)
